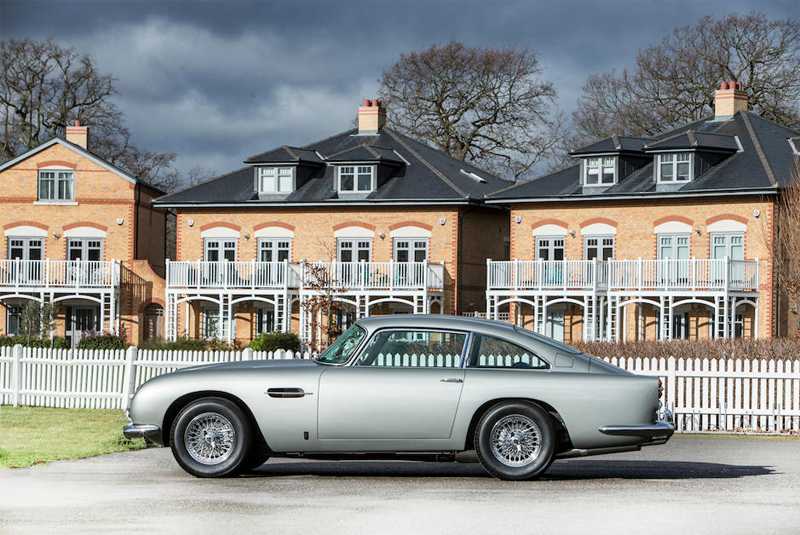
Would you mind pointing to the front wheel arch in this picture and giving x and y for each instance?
(563, 443)
(259, 443)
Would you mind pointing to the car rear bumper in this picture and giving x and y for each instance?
(151, 433)
(657, 432)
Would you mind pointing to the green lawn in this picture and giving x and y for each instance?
(36, 435)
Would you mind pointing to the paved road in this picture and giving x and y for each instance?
(691, 485)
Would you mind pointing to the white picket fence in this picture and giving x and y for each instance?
(98, 379)
(704, 394)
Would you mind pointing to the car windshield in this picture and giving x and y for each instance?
(342, 349)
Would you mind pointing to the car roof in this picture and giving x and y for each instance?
(436, 321)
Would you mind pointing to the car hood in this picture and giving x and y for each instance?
(251, 364)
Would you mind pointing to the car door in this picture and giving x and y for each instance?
(404, 386)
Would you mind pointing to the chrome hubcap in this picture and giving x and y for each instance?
(210, 438)
(515, 441)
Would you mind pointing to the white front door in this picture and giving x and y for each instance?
(554, 327)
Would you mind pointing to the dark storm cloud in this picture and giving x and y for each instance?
(219, 81)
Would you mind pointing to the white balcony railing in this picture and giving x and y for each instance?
(56, 274)
(200, 275)
(374, 275)
(587, 275)
(232, 275)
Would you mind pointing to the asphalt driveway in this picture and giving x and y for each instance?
(694, 484)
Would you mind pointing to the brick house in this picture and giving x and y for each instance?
(387, 224)
(652, 238)
(80, 233)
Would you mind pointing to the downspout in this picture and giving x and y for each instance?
(460, 256)
(776, 283)
(136, 221)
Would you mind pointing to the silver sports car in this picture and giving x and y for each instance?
(405, 387)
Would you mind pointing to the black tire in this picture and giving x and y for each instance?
(536, 429)
(222, 438)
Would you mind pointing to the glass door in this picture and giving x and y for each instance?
(23, 249)
(350, 252)
(81, 321)
(550, 253)
(673, 251)
(729, 246)
(410, 250)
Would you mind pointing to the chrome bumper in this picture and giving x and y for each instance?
(151, 433)
(657, 432)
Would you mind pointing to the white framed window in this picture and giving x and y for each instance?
(411, 250)
(600, 171)
(25, 248)
(276, 180)
(353, 250)
(213, 327)
(599, 247)
(355, 178)
(274, 249)
(265, 320)
(13, 319)
(673, 246)
(85, 249)
(218, 249)
(56, 185)
(550, 248)
(676, 167)
(728, 244)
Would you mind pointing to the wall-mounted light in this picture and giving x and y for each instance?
(246, 235)
(382, 236)
(518, 219)
(120, 221)
(756, 213)
(698, 231)
(56, 235)
(442, 220)
(572, 233)
(191, 222)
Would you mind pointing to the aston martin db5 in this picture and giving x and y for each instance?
(419, 387)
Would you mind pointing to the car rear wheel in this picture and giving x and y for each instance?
(515, 441)
(210, 438)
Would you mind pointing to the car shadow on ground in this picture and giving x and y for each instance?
(559, 471)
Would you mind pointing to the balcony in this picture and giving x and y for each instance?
(374, 276)
(624, 275)
(36, 275)
(271, 276)
(200, 275)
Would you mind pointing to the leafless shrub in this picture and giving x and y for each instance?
(768, 348)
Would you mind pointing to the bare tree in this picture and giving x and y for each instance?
(44, 87)
(784, 241)
(485, 106)
(322, 306)
(673, 82)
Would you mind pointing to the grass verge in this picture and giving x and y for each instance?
(38, 435)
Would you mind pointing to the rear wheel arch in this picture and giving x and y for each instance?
(177, 406)
(562, 444)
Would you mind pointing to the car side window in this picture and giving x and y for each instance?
(414, 348)
(490, 352)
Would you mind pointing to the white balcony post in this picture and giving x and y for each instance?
(362, 274)
(285, 275)
(47, 273)
(757, 281)
(392, 269)
(639, 279)
(253, 274)
(693, 274)
(425, 281)
(168, 268)
(515, 274)
(726, 281)
(488, 275)
(594, 274)
(225, 273)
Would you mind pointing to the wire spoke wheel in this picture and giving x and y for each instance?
(515, 440)
(210, 438)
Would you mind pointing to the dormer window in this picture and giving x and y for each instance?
(355, 178)
(276, 180)
(56, 185)
(675, 167)
(600, 171)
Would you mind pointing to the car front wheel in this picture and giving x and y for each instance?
(515, 441)
(210, 438)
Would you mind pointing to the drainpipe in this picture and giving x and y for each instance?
(136, 221)
(460, 257)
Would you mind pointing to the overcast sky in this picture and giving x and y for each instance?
(218, 81)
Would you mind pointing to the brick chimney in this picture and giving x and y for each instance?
(729, 99)
(371, 117)
(78, 134)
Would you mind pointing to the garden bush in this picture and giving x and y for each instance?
(11, 341)
(274, 341)
(190, 344)
(103, 341)
(729, 348)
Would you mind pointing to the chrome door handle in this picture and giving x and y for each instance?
(287, 393)
(452, 380)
